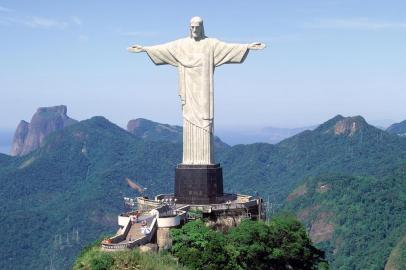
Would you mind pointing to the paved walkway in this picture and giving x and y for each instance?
(135, 230)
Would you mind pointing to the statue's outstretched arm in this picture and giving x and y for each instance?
(257, 46)
(136, 48)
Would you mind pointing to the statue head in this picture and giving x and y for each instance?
(196, 28)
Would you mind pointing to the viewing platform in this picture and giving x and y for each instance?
(152, 219)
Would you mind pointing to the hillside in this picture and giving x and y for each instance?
(154, 131)
(357, 220)
(398, 128)
(249, 135)
(4, 159)
(397, 258)
(281, 243)
(93, 258)
(341, 145)
(5, 140)
(70, 190)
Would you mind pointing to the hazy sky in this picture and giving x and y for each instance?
(323, 58)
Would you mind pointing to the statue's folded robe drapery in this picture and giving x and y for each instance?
(196, 61)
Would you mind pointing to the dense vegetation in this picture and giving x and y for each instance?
(69, 192)
(367, 214)
(61, 197)
(92, 258)
(280, 244)
(398, 128)
(275, 169)
(153, 131)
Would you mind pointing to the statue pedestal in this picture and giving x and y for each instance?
(198, 184)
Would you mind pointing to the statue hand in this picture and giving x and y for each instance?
(256, 46)
(136, 49)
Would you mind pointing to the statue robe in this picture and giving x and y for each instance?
(196, 61)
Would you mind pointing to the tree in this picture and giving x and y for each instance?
(200, 247)
(281, 244)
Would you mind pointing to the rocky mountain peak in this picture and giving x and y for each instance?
(349, 125)
(61, 110)
(343, 126)
(19, 138)
(29, 136)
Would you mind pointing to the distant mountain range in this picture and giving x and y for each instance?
(398, 128)
(271, 135)
(345, 180)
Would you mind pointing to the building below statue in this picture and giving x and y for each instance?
(149, 221)
(199, 184)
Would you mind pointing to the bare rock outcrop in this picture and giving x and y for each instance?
(19, 138)
(30, 136)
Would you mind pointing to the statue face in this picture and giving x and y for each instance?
(196, 30)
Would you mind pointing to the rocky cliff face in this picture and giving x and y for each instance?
(346, 126)
(29, 136)
(19, 138)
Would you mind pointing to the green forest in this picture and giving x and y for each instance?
(61, 197)
(279, 244)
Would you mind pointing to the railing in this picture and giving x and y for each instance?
(121, 237)
(238, 202)
(147, 202)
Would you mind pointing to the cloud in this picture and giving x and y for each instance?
(4, 9)
(354, 24)
(39, 22)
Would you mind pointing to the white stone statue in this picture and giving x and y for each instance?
(196, 57)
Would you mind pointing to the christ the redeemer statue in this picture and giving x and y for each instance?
(196, 57)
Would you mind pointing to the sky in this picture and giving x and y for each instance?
(323, 58)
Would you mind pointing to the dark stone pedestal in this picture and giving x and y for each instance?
(198, 184)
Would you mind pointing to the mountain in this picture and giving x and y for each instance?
(150, 130)
(361, 211)
(29, 136)
(154, 131)
(275, 134)
(397, 258)
(398, 128)
(271, 135)
(357, 220)
(340, 145)
(4, 160)
(68, 192)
